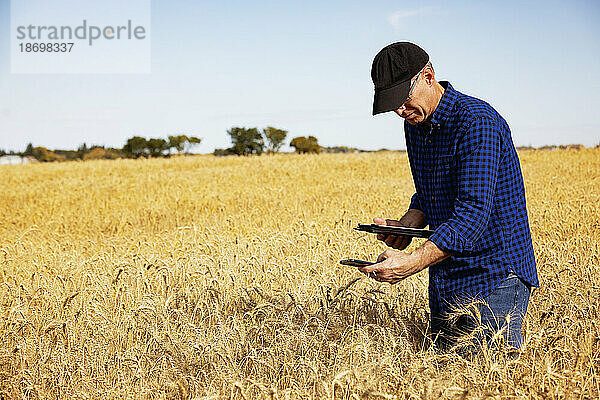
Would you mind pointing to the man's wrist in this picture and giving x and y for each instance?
(417, 262)
(427, 254)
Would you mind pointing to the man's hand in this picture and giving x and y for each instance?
(392, 267)
(412, 219)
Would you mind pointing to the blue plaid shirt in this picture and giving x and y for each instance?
(469, 186)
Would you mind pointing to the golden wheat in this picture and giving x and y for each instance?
(203, 277)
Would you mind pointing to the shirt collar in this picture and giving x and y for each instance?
(444, 108)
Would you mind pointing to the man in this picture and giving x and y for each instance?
(469, 190)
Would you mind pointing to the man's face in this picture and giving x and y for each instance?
(414, 108)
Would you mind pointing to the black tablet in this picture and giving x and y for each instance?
(356, 263)
(394, 230)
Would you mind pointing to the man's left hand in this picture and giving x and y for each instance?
(392, 267)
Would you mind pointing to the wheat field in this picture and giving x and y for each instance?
(210, 278)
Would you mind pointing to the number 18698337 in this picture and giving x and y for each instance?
(45, 47)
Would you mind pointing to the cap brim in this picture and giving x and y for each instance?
(391, 98)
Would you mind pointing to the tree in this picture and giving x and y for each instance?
(275, 138)
(28, 150)
(183, 143)
(135, 147)
(82, 151)
(156, 147)
(193, 141)
(177, 142)
(246, 141)
(306, 144)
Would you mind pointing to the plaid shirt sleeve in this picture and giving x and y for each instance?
(415, 202)
(478, 158)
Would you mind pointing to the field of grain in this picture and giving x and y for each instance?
(202, 277)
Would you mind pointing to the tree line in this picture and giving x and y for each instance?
(135, 147)
(138, 146)
(244, 141)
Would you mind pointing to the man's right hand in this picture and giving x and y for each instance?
(397, 242)
(412, 219)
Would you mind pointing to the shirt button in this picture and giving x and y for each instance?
(428, 141)
(432, 197)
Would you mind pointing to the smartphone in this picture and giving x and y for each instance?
(356, 263)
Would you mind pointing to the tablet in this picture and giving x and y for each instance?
(394, 230)
(356, 263)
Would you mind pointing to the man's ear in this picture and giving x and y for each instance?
(429, 76)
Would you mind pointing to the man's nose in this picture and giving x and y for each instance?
(400, 110)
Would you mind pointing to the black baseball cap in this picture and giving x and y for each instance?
(392, 70)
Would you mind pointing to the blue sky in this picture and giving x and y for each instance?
(304, 66)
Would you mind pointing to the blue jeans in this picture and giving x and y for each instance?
(499, 315)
